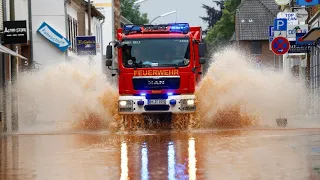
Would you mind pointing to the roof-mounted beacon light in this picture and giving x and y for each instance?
(171, 28)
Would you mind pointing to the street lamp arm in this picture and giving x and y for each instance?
(139, 1)
(154, 19)
(162, 15)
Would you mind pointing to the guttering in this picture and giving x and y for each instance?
(101, 39)
(30, 32)
(66, 22)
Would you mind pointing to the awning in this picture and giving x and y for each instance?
(312, 35)
(10, 52)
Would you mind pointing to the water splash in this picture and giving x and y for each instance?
(66, 95)
(236, 93)
(233, 94)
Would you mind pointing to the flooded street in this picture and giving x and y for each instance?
(232, 154)
(104, 90)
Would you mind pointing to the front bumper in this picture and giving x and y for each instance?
(173, 104)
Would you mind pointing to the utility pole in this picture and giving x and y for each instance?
(89, 17)
(89, 28)
(14, 94)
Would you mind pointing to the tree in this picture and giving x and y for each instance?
(132, 13)
(223, 30)
(213, 14)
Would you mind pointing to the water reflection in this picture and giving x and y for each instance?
(144, 162)
(171, 161)
(124, 161)
(223, 155)
(192, 159)
(152, 165)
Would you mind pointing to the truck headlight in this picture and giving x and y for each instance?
(188, 105)
(125, 105)
(190, 102)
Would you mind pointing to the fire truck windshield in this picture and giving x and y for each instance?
(160, 52)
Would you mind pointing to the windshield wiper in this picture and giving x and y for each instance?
(140, 65)
(169, 65)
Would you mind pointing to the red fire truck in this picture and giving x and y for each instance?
(159, 67)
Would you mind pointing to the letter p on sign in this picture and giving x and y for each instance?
(280, 24)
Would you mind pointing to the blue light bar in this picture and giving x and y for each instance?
(131, 27)
(179, 27)
(174, 27)
(169, 94)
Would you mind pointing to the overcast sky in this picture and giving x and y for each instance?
(187, 11)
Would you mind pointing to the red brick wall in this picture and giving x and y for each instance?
(267, 56)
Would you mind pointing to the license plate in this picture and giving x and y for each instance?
(157, 101)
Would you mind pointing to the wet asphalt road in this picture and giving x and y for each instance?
(233, 154)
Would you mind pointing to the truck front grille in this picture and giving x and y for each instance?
(156, 107)
(159, 83)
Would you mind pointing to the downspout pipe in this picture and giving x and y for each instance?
(30, 33)
(101, 40)
(66, 21)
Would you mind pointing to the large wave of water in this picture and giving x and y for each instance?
(234, 93)
(66, 95)
(237, 93)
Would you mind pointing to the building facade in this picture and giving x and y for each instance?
(313, 63)
(252, 19)
(77, 23)
(70, 19)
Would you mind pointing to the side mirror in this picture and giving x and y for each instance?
(202, 50)
(108, 62)
(109, 52)
(202, 61)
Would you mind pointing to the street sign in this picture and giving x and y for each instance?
(280, 24)
(293, 29)
(298, 49)
(302, 15)
(282, 2)
(271, 32)
(290, 16)
(280, 45)
(280, 34)
(307, 2)
(299, 41)
(86, 45)
(270, 40)
(54, 37)
(15, 32)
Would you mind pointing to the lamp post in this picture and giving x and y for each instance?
(139, 1)
(163, 15)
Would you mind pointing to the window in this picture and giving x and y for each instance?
(72, 32)
(256, 47)
(156, 52)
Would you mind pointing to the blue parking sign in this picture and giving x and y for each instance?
(280, 24)
(271, 32)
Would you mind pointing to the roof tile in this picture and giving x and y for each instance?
(254, 17)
